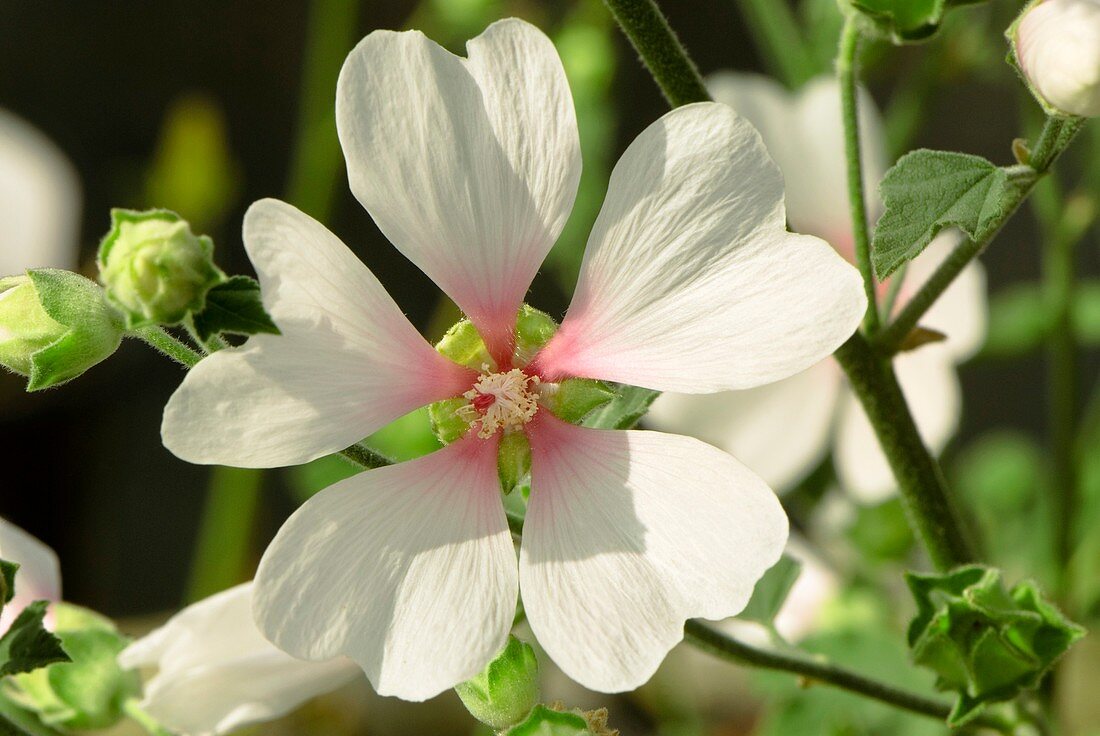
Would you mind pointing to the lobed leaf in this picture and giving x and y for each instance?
(234, 307)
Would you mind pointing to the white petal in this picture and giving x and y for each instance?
(928, 380)
(629, 534)
(217, 673)
(780, 431)
(408, 569)
(690, 281)
(39, 200)
(39, 575)
(962, 311)
(469, 166)
(803, 132)
(347, 362)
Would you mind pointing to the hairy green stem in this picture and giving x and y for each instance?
(164, 343)
(817, 670)
(779, 40)
(924, 491)
(365, 457)
(661, 51)
(1056, 136)
(847, 73)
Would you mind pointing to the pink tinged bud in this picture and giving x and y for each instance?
(1057, 45)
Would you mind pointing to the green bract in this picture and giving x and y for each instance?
(907, 21)
(575, 398)
(513, 460)
(546, 722)
(154, 268)
(54, 325)
(90, 691)
(506, 690)
(984, 642)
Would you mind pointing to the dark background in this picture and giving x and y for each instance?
(83, 467)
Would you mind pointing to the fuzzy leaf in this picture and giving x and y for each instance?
(234, 307)
(27, 645)
(927, 191)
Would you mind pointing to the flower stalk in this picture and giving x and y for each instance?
(662, 53)
(157, 338)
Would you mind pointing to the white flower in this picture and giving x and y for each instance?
(690, 282)
(39, 575)
(1057, 45)
(217, 673)
(39, 200)
(783, 430)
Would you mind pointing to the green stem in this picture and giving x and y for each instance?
(365, 457)
(661, 51)
(779, 40)
(133, 709)
(221, 558)
(923, 489)
(1056, 136)
(164, 343)
(817, 670)
(847, 74)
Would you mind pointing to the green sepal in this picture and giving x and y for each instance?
(927, 191)
(463, 344)
(91, 690)
(546, 722)
(513, 461)
(26, 645)
(624, 411)
(504, 693)
(770, 593)
(7, 581)
(907, 21)
(575, 398)
(58, 325)
(446, 424)
(234, 307)
(984, 642)
(154, 269)
(533, 330)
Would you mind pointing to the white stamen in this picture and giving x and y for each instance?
(514, 401)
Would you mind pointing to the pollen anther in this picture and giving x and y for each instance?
(501, 401)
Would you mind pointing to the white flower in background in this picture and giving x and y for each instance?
(1057, 45)
(39, 200)
(783, 430)
(217, 673)
(690, 282)
(39, 575)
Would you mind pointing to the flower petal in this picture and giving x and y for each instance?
(408, 569)
(803, 132)
(217, 673)
(781, 431)
(690, 281)
(962, 311)
(629, 534)
(39, 576)
(39, 200)
(469, 166)
(931, 387)
(347, 363)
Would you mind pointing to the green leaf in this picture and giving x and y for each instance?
(546, 722)
(907, 21)
(234, 307)
(985, 643)
(27, 645)
(927, 191)
(7, 582)
(771, 592)
(624, 411)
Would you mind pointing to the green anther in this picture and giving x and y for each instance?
(446, 424)
(463, 345)
(513, 461)
(533, 330)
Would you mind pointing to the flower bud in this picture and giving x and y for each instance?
(506, 690)
(155, 269)
(54, 325)
(1057, 47)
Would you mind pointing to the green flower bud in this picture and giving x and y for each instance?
(513, 460)
(575, 398)
(54, 325)
(506, 690)
(155, 269)
(533, 330)
(89, 692)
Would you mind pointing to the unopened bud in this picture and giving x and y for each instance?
(1057, 47)
(154, 268)
(54, 325)
(506, 690)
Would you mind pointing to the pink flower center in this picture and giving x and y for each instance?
(506, 400)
